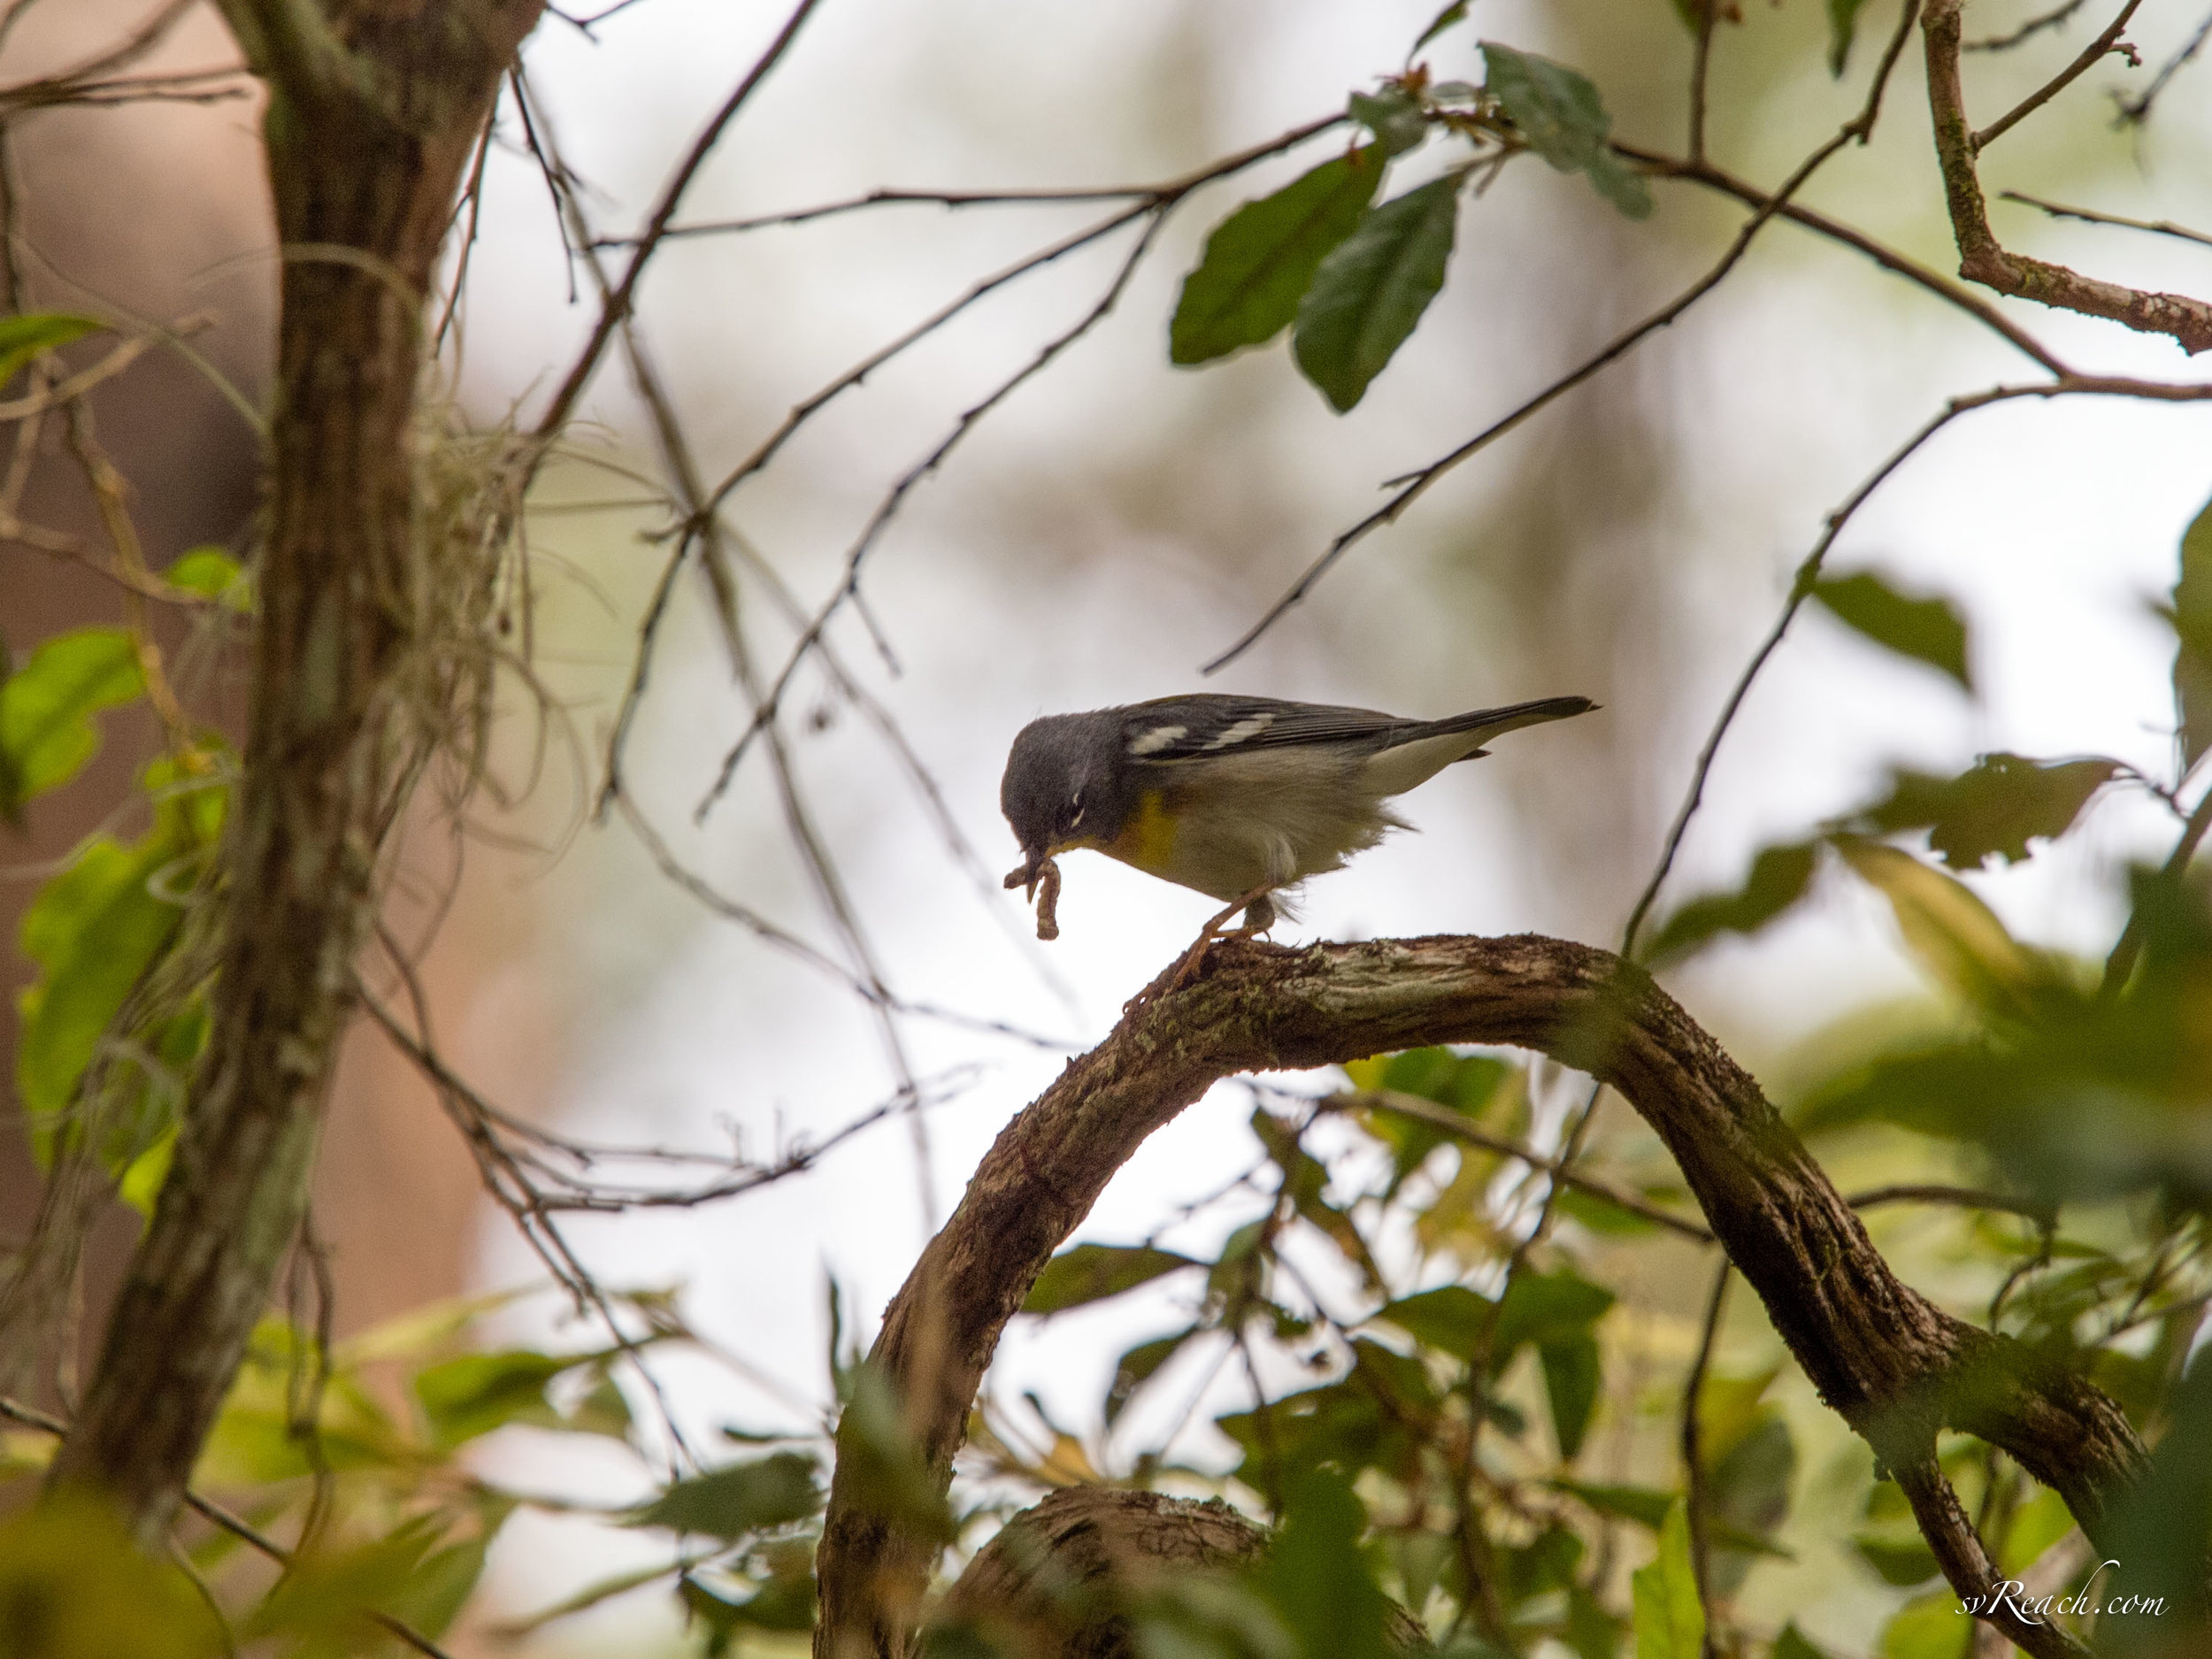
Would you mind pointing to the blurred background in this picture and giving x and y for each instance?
(1115, 524)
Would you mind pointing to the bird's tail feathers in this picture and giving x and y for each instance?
(1493, 722)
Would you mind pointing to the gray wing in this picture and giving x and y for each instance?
(1210, 723)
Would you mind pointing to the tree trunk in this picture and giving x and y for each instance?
(373, 109)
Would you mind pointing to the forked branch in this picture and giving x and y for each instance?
(1896, 1367)
(1981, 258)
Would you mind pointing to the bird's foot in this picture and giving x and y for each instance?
(1259, 916)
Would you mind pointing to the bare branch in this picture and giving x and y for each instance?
(1966, 1565)
(617, 306)
(1983, 259)
(2158, 227)
(2058, 16)
(894, 198)
(2058, 83)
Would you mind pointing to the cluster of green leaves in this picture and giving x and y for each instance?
(1994, 810)
(1350, 276)
(99, 1016)
(1442, 1448)
(367, 1450)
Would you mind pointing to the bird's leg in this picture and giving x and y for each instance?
(1259, 916)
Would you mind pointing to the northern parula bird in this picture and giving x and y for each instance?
(1235, 797)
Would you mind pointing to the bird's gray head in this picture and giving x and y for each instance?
(1058, 784)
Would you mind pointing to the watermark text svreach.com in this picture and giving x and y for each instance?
(2013, 1595)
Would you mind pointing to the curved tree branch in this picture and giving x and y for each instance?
(1981, 258)
(1896, 1367)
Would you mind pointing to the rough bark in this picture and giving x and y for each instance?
(1896, 1367)
(372, 109)
(1057, 1579)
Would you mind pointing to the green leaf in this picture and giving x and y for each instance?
(1451, 1318)
(1393, 115)
(474, 1393)
(74, 1585)
(319, 1601)
(140, 1184)
(593, 1593)
(1305, 1181)
(434, 1592)
(1259, 261)
(1482, 1088)
(1137, 1367)
(1599, 1214)
(1316, 1576)
(212, 573)
(46, 729)
(781, 1604)
(1467, 1083)
(1592, 1632)
(1903, 1562)
(95, 929)
(1927, 1627)
(1542, 1308)
(1792, 1645)
(1993, 811)
(1559, 113)
(1646, 1506)
(1956, 937)
(2193, 630)
(1779, 877)
(2036, 1525)
(882, 1465)
(1370, 291)
(24, 336)
(1843, 23)
(1750, 1485)
(1451, 15)
(1670, 1618)
(2160, 1527)
(1929, 631)
(1092, 1272)
(739, 1499)
(1572, 1372)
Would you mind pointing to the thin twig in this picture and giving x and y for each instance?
(2057, 18)
(1964, 1197)
(1156, 201)
(893, 198)
(1700, 65)
(888, 508)
(2157, 226)
(1692, 1452)
(2138, 109)
(2058, 83)
(617, 306)
(1454, 1124)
